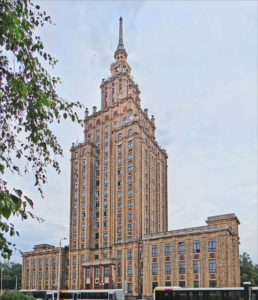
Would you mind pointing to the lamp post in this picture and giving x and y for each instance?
(59, 268)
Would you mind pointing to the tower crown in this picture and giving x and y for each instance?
(120, 51)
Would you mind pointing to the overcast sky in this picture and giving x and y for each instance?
(196, 66)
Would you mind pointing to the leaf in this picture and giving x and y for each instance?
(18, 192)
(2, 168)
(29, 201)
(6, 212)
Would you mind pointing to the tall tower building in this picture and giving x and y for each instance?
(118, 209)
(119, 172)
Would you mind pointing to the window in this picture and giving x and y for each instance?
(130, 179)
(106, 180)
(83, 225)
(105, 191)
(53, 261)
(120, 159)
(96, 214)
(119, 271)
(75, 195)
(130, 132)
(97, 163)
(89, 135)
(83, 214)
(98, 132)
(196, 266)
(212, 266)
(87, 272)
(83, 151)
(196, 246)
(105, 213)
(130, 144)
(83, 203)
(105, 170)
(154, 250)
(119, 228)
(105, 234)
(40, 262)
(105, 244)
(76, 165)
(83, 235)
(40, 275)
(83, 183)
(106, 159)
(119, 148)
(196, 284)
(129, 238)
(119, 217)
(130, 271)
(155, 269)
(130, 254)
(212, 245)
(167, 268)
(130, 203)
(130, 227)
(74, 216)
(106, 271)
(119, 255)
(74, 260)
(212, 283)
(167, 249)
(130, 191)
(141, 254)
(130, 215)
(83, 193)
(47, 261)
(53, 275)
(119, 205)
(34, 263)
(83, 172)
(120, 136)
(130, 288)
(119, 240)
(130, 155)
(130, 167)
(119, 171)
(154, 285)
(97, 142)
(105, 223)
(96, 225)
(119, 194)
(46, 275)
(106, 128)
(105, 202)
(106, 139)
(181, 267)
(97, 203)
(124, 120)
(76, 154)
(182, 284)
(119, 182)
(97, 193)
(96, 235)
(84, 162)
(76, 185)
(106, 149)
(96, 273)
(181, 248)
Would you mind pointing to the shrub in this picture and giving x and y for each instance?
(15, 295)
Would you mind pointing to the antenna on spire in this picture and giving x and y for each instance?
(120, 40)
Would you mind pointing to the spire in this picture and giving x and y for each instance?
(120, 41)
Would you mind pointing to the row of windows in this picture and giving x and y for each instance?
(106, 129)
(40, 277)
(181, 267)
(40, 262)
(196, 284)
(181, 247)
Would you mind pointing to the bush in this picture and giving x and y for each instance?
(15, 295)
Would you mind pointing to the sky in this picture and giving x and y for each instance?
(196, 66)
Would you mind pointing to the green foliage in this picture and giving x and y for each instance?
(28, 105)
(11, 271)
(15, 295)
(248, 270)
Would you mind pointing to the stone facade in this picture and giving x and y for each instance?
(40, 268)
(118, 211)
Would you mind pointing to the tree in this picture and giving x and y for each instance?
(15, 295)
(248, 271)
(10, 273)
(29, 103)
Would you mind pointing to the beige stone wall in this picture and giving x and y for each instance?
(40, 268)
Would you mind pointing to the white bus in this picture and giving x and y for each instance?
(178, 293)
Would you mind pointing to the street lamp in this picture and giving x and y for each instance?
(59, 268)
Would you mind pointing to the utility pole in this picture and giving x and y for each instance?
(59, 268)
(16, 282)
